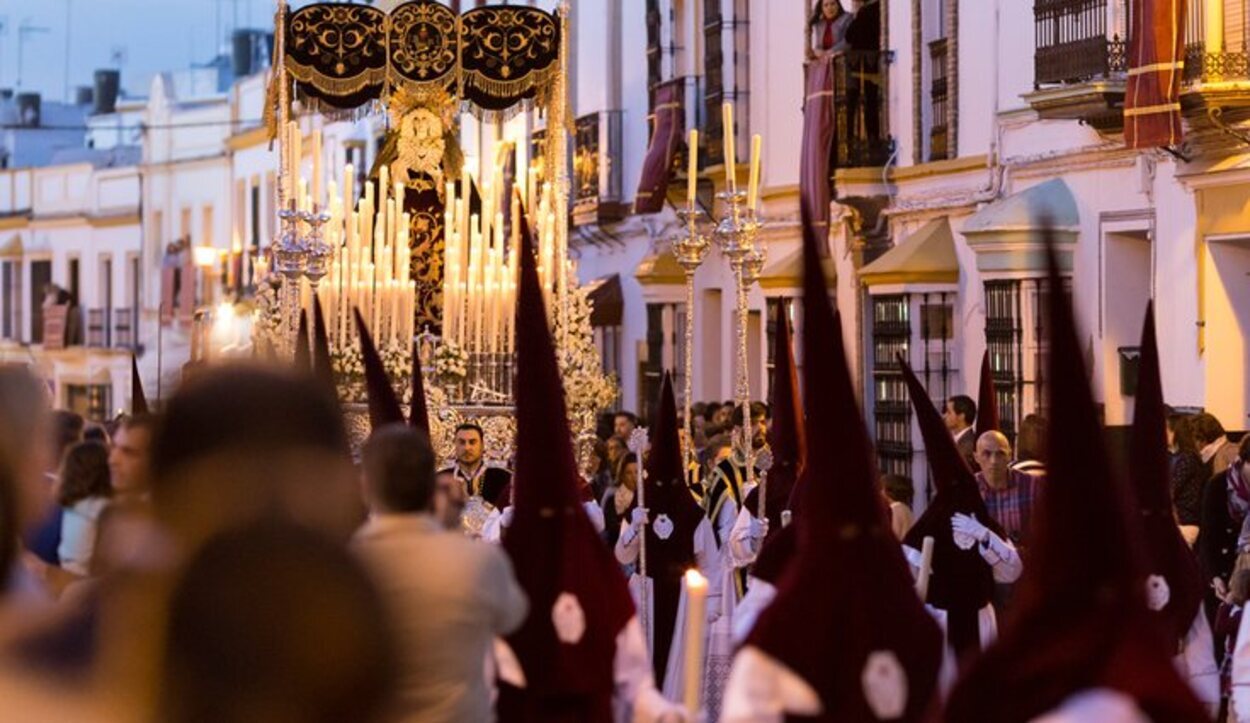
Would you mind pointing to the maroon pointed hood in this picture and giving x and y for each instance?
(383, 403)
(138, 400)
(849, 583)
(987, 400)
(1167, 554)
(554, 548)
(303, 360)
(418, 413)
(962, 582)
(322, 367)
(786, 437)
(1079, 618)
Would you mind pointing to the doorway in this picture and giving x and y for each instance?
(1227, 326)
(1126, 289)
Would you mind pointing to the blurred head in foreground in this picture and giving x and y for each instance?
(240, 441)
(273, 622)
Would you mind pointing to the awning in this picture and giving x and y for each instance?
(657, 167)
(925, 257)
(607, 301)
(787, 272)
(660, 268)
(1007, 234)
(12, 247)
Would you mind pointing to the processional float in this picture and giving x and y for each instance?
(427, 248)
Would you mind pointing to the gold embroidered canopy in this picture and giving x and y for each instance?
(496, 58)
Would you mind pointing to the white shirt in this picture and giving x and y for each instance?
(78, 534)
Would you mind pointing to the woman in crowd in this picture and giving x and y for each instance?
(1225, 501)
(899, 493)
(619, 498)
(1185, 467)
(83, 492)
(1031, 445)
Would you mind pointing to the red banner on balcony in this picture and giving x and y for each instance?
(657, 167)
(814, 168)
(1152, 109)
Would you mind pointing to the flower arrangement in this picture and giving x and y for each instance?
(349, 369)
(451, 363)
(588, 390)
(267, 315)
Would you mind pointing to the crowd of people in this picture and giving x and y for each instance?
(231, 559)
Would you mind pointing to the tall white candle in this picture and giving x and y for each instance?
(731, 161)
(696, 602)
(317, 180)
(692, 167)
(753, 184)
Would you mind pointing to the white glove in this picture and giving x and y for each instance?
(967, 531)
(505, 517)
(638, 518)
(758, 528)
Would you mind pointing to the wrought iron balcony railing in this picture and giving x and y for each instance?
(1079, 40)
(862, 140)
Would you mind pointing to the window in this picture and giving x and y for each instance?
(75, 280)
(939, 102)
(713, 152)
(665, 350)
(40, 277)
(655, 51)
(10, 292)
(937, 330)
(770, 331)
(92, 401)
(1015, 332)
(891, 337)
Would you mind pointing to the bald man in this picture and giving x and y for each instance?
(1009, 494)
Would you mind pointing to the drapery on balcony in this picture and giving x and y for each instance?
(860, 140)
(1079, 40)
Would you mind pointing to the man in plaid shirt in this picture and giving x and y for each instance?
(1009, 494)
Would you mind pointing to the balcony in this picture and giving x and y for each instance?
(597, 174)
(861, 139)
(1217, 67)
(111, 328)
(1080, 64)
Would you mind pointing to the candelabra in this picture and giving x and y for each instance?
(317, 252)
(690, 249)
(735, 234)
(290, 259)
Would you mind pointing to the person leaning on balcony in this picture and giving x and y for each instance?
(826, 30)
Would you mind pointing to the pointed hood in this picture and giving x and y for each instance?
(560, 561)
(987, 400)
(138, 400)
(849, 582)
(1079, 618)
(1167, 554)
(418, 413)
(962, 582)
(669, 500)
(786, 435)
(383, 403)
(303, 359)
(322, 367)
